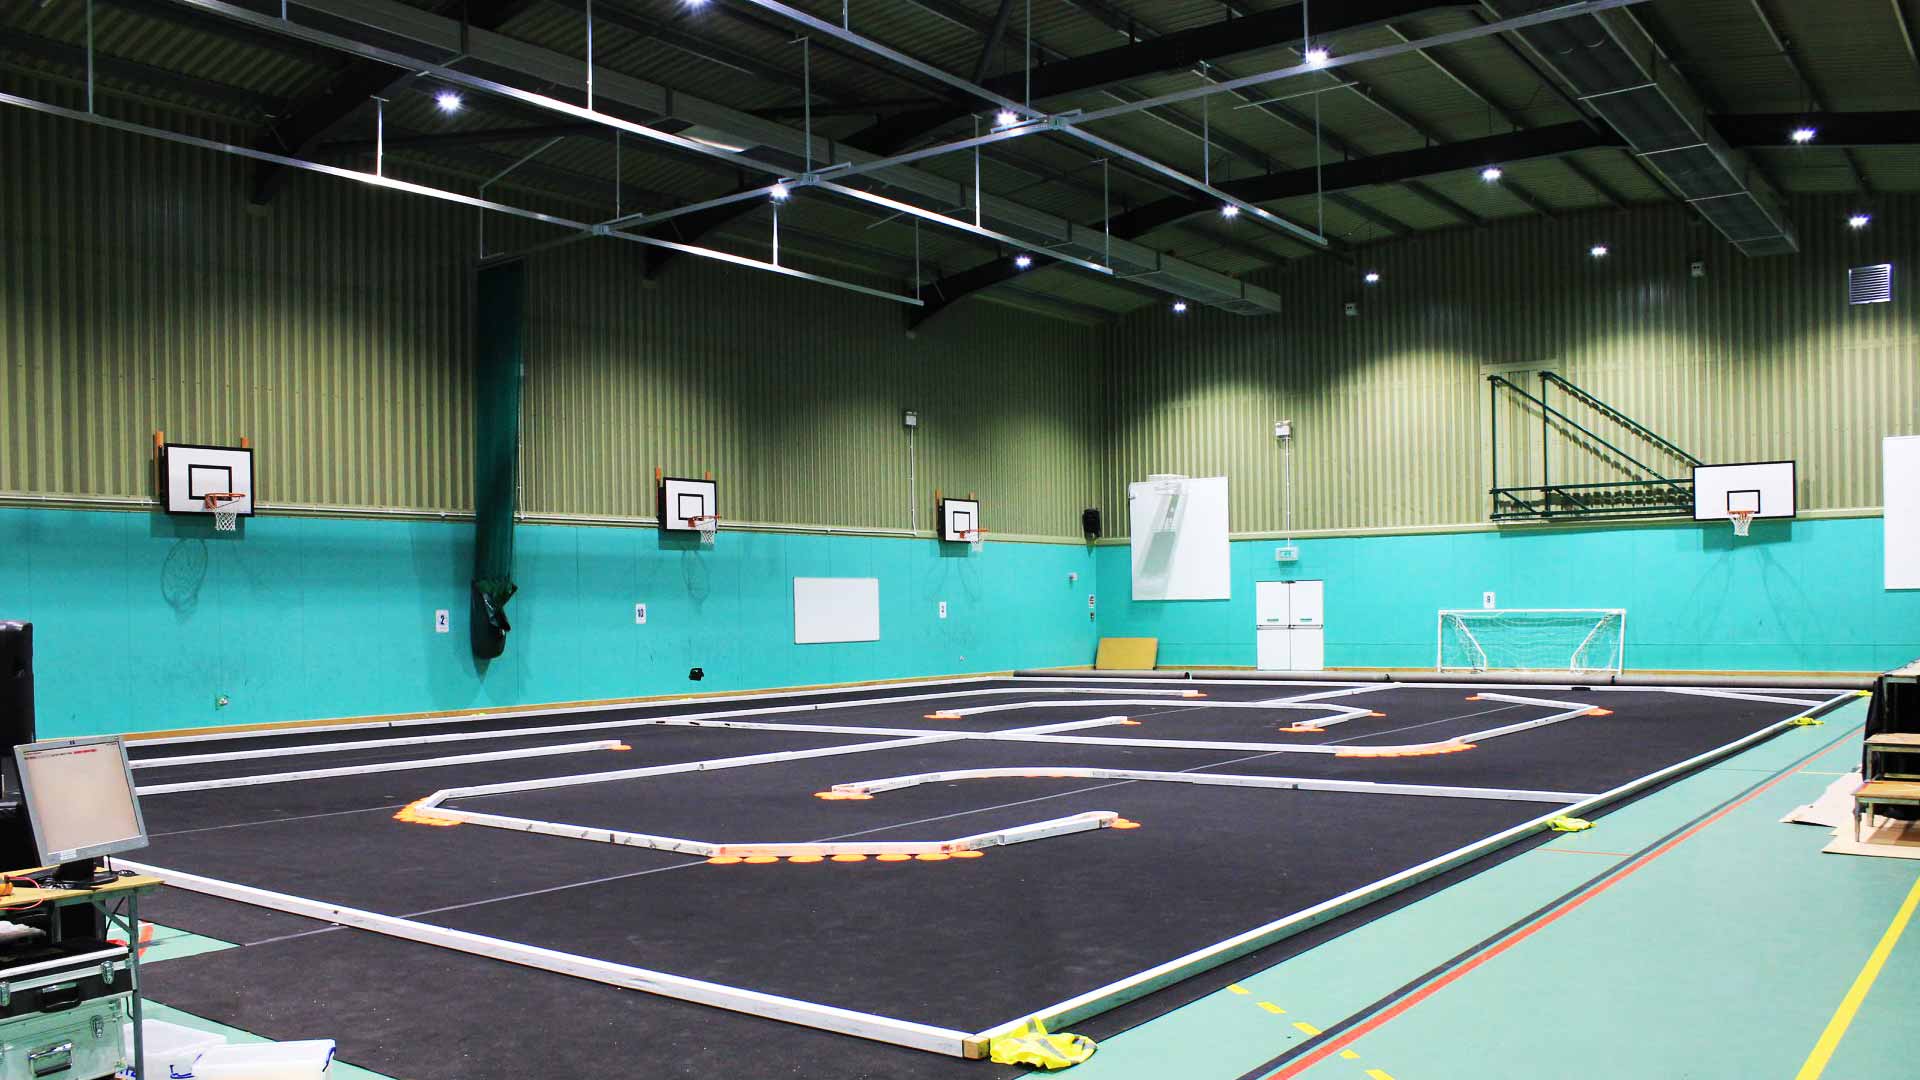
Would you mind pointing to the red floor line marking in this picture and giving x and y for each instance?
(1379, 1020)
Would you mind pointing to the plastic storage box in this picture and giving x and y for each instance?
(171, 1050)
(267, 1061)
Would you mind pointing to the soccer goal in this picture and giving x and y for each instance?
(1582, 640)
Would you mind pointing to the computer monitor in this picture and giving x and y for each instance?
(81, 800)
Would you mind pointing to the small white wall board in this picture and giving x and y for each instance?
(1901, 497)
(194, 472)
(1765, 487)
(682, 500)
(1179, 538)
(829, 609)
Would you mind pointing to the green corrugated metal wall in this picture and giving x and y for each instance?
(792, 395)
(1760, 360)
(138, 293)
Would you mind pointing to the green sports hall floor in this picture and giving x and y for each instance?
(1689, 935)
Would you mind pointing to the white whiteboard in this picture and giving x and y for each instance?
(1901, 497)
(835, 609)
(1179, 539)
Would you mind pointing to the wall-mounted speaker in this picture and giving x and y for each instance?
(1090, 522)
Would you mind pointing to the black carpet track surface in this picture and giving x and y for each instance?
(416, 1012)
(971, 943)
(962, 944)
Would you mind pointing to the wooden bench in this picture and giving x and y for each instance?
(1876, 793)
(1887, 744)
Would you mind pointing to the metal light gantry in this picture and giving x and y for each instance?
(828, 178)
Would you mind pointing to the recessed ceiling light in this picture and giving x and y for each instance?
(1491, 173)
(1229, 210)
(1318, 57)
(1860, 221)
(1023, 260)
(1598, 251)
(1005, 118)
(1179, 307)
(448, 101)
(1372, 278)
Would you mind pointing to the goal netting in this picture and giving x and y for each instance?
(1533, 639)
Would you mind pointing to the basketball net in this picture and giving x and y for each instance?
(1742, 521)
(977, 540)
(709, 526)
(225, 519)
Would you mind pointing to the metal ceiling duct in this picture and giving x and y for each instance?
(1623, 75)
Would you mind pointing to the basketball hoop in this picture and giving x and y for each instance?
(709, 526)
(225, 519)
(1742, 521)
(976, 539)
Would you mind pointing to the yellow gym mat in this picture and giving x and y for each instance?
(1127, 654)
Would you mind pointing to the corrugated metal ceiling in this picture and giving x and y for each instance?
(745, 57)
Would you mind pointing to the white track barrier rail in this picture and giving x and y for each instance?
(1282, 783)
(381, 767)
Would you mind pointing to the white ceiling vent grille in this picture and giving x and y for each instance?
(1870, 284)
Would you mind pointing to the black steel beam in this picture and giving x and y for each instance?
(74, 58)
(451, 140)
(992, 42)
(347, 91)
(1849, 129)
(1153, 55)
(1394, 168)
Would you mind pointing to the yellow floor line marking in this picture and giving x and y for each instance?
(1236, 988)
(1306, 1027)
(1843, 1016)
(1378, 1074)
(1271, 1007)
(1349, 1055)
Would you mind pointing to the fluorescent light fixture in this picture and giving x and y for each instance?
(1318, 56)
(1023, 260)
(449, 101)
(1803, 134)
(1372, 278)
(1179, 307)
(1491, 173)
(1005, 118)
(1229, 210)
(1598, 251)
(719, 140)
(1859, 221)
(779, 192)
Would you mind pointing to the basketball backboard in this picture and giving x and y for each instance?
(191, 473)
(959, 519)
(683, 501)
(1766, 489)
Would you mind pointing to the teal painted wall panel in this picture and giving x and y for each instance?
(1795, 596)
(142, 621)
